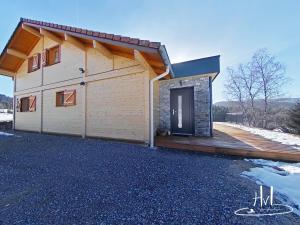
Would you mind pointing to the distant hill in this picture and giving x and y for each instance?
(6, 102)
(284, 103)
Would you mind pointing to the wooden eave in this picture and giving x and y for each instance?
(24, 41)
(21, 42)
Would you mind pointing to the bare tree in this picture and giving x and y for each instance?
(270, 73)
(254, 85)
(251, 86)
(235, 91)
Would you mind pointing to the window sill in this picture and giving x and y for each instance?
(33, 70)
(59, 106)
(51, 64)
(26, 111)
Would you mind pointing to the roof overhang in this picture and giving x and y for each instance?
(194, 77)
(28, 32)
(198, 67)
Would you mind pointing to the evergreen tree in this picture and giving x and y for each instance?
(219, 113)
(294, 118)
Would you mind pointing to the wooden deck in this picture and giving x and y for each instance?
(232, 141)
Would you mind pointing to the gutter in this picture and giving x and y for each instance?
(151, 104)
(165, 57)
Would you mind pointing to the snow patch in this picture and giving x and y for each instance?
(284, 177)
(5, 134)
(287, 139)
(6, 117)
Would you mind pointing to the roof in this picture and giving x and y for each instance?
(197, 67)
(95, 34)
(28, 32)
(23, 41)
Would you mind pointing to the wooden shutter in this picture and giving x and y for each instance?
(70, 97)
(32, 103)
(45, 57)
(57, 56)
(36, 61)
(30, 61)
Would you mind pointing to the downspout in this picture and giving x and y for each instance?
(14, 104)
(151, 104)
(210, 107)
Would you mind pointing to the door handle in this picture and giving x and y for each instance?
(173, 112)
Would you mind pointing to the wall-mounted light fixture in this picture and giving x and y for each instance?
(81, 70)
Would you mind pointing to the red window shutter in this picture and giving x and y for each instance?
(70, 97)
(30, 61)
(45, 57)
(32, 103)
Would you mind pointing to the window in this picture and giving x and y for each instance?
(60, 98)
(66, 98)
(34, 63)
(24, 104)
(28, 104)
(51, 56)
(179, 111)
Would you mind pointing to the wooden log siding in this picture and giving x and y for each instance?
(121, 111)
(63, 119)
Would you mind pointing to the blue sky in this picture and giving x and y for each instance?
(189, 29)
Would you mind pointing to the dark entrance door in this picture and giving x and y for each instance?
(182, 111)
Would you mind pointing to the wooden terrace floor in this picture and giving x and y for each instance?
(232, 141)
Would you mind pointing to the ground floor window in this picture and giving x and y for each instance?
(66, 98)
(28, 104)
(24, 104)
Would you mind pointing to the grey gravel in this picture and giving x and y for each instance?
(47, 179)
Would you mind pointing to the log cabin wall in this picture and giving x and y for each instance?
(113, 103)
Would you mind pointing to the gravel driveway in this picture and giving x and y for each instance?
(46, 179)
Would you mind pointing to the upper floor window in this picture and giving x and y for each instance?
(34, 63)
(51, 56)
(27, 104)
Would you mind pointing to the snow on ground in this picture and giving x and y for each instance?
(6, 117)
(284, 177)
(5, 134)
(287, 139)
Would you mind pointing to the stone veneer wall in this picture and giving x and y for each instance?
(202, 98)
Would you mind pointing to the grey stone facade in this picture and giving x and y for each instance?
(202, 103)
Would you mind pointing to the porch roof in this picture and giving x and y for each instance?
(209, 65)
